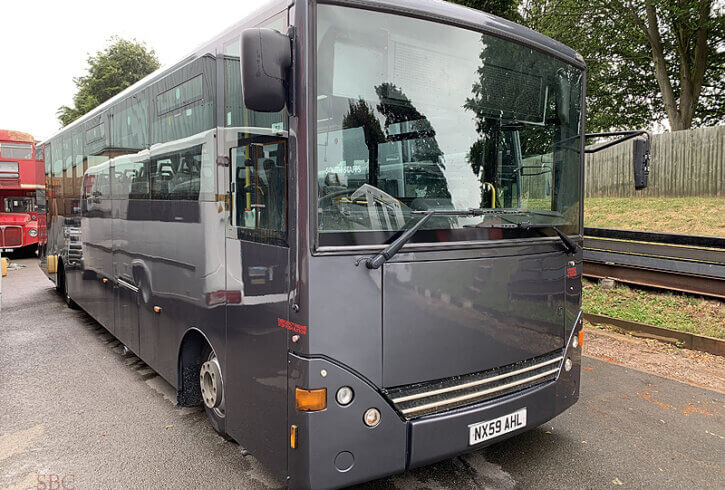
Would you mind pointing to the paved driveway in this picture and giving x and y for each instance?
(71, 405)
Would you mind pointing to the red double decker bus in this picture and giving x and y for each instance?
(21, 177)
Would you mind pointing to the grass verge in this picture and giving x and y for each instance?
(663, 309)
(684, 215)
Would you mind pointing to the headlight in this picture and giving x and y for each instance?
(344, 395)
(33, 232)
(372, 417)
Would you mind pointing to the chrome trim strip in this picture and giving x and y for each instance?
(127, 285)
(477, 394)
(475, 383)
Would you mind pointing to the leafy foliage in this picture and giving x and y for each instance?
(647, 59)
(508, 9)
(119, 66)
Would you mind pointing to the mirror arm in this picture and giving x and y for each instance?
(625, 136)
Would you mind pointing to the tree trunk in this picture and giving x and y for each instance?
(658, 57)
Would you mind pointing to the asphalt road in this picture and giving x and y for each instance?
(72, 405)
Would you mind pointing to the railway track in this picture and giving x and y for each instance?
(691, 264)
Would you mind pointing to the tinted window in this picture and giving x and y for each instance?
(180, 95)
(130, 177)
(96, 133)
(415, 115)
(176, 175)
(57, 150)
(129, 126)
(185, 101)
(95, 142)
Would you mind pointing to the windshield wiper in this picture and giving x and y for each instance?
(388, 252)
(569, 244)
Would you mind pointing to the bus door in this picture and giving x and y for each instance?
(257, 286)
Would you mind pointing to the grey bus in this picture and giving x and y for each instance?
(349, 229)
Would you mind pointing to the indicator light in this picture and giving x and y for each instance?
(293, 437)
(311, 400)
(580, 335)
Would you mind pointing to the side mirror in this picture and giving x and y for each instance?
(640, 159)
(265, 63)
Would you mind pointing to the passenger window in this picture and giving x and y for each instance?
(162, 173)
(259, 187)
(129, 126)
(139, 188)
(130, 179)
(177, 175)
(185, 101)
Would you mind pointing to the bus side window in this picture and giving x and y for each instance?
(260, 187)
(140, 181)
(187, 176)
(162, 173)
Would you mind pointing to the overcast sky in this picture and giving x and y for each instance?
(45, 44)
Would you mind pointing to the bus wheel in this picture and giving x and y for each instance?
(63, 279)
(212, 391)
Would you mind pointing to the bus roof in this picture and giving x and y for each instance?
(254, 16)
(11, 135)
(434, 10)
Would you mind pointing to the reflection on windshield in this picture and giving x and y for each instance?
(414, 116)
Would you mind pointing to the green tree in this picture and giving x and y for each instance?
(647, 59)
(110, 71)
(508, 9)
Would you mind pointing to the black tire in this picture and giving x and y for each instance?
(63, 280)
(217, 417)
(59, 276)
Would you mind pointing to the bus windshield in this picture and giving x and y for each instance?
(414, 115)
(19, 205)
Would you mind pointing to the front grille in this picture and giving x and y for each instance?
(11, 236)
(446, 394)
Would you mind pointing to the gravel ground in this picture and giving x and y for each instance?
(684, 365)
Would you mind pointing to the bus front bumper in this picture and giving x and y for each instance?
(335, 448)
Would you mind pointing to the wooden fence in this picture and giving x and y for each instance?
(683, 164)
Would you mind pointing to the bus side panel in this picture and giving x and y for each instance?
(174, 272)
(256, 366)
(126, 304)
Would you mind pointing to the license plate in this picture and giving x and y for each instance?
(483, 431)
